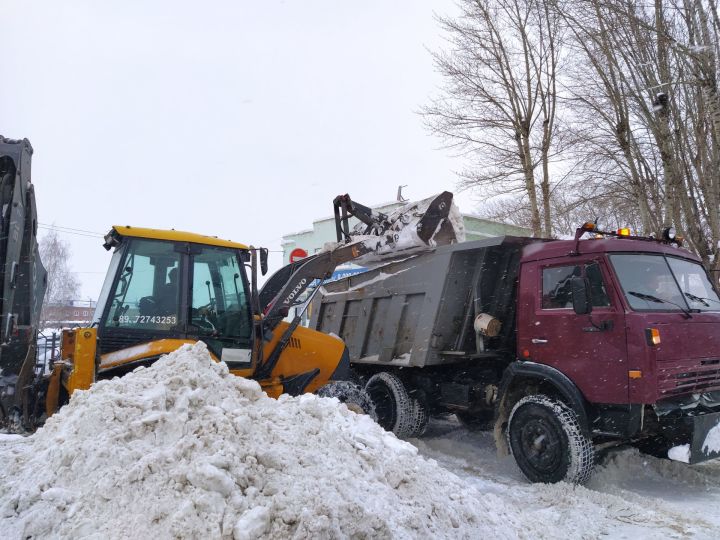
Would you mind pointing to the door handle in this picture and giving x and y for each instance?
(604, 326)
(537, 341)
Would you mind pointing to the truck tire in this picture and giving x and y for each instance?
(546, 440)
(482, 421)
(352, 395)
(395, 409)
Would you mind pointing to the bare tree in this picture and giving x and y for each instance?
(609, 147)
(651, 86)
(624, 95)
(62, 285)
(500, 99)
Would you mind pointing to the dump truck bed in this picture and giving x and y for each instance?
(420, 311)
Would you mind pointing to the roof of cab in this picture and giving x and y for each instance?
(548, 249)
(175, 236)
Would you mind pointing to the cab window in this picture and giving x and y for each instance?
(655, 282)
(219, 300)
(146, 295)
(694, 284)
(648, 282)
(557, 291)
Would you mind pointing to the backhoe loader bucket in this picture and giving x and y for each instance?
(416, 226)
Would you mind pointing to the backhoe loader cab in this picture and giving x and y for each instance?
(172, 285)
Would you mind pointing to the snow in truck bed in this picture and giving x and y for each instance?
(184, 449)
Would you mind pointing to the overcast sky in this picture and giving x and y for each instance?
(237, 119)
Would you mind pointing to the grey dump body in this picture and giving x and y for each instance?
(420, 311)
(22, 275)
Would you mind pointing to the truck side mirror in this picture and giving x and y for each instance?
(582, 303)
(263, 261)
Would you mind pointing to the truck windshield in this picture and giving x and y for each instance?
(659, 283)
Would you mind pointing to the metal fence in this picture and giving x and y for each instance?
(48, 351)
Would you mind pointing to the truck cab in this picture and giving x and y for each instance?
(644, 349)
(653, 330)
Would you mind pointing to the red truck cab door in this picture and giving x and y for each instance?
(591, 349)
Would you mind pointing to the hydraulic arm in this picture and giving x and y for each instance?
(414, 226)
(22, 276)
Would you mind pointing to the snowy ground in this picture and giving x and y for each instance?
(630, 496)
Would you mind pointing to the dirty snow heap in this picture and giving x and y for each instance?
(185, 449)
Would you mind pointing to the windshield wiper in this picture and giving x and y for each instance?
(651, 298)
(703, 300)
(648, 297)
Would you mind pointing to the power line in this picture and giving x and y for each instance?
(68, 230)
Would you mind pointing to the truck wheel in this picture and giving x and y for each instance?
(396, 410)
(482, 421)
(352, 395)
(547, 443)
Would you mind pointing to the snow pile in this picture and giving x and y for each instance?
(712, 441)
(185, 449)
(680, 453)
(400, 235)
(405, 220)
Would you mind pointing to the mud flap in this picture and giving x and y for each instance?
(705, 442)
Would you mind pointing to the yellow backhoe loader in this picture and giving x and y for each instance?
(165, 289)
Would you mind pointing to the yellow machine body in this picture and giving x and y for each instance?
(308, 350)
(137, 354)
(79, 347)
(76, 369)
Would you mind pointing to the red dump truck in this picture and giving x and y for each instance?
(561, 346)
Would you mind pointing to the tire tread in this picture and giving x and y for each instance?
(411, 415)
(580, 448)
